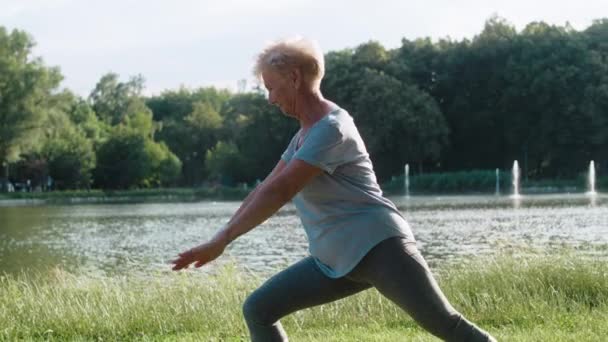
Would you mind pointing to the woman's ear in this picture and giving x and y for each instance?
(296, 77)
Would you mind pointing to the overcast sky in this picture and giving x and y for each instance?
(200, 43)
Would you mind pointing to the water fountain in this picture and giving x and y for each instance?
(591, 179)
(497, 182)
(515, 178)
(407, 180)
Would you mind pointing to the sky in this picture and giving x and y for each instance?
(195, 43)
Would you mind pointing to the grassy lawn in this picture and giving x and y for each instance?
(559, 297)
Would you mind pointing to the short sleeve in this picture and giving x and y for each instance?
(326, 147)
(290, 150)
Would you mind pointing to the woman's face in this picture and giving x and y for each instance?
(281, 91)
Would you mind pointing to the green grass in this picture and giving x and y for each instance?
(561, 297)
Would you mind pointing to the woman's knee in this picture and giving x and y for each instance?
(250, 310)
(254, 309)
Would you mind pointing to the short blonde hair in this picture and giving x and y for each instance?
(286, 54)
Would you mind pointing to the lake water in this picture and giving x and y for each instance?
(142, 238)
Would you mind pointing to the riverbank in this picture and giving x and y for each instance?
(533, 298)
(221, 193)
(488, 182)
(125, 196)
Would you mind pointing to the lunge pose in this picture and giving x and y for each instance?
(357, 238)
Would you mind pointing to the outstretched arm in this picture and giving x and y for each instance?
(266, 200)
(275, 172)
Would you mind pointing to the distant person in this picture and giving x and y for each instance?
(357, 238)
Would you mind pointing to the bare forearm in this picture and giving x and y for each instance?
(245, 203)
(264, 203)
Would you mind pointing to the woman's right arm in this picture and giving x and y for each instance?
(215, 247)
(277, 170)
(276, 190)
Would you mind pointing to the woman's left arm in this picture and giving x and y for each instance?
(267, 201)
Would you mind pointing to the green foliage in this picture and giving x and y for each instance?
(602, 184)
(26, 85)
(535, 96)
(138, 118)
(70, 159)
(399, 121)
(539, 96)
(164, 166)
(204, 117)
(122, 161)
(224, 162)
(484, 181)
(476, 181)
(128, 156)
(128, 159)
(85, 119)
(195, 122)
(111, 98)
(260, 132)
(177, 104)
(191, 124)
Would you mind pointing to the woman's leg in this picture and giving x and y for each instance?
(398, 271)
(300, 286)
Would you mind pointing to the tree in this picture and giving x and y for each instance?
(111, 98)
(224, 163)
(191, 124)
(596, 97)
(164, 166)
(83, 117)
(25, 88)
(138, 118)
(129, 159)
(548, 117)
(341, 77)
(176, 104)
(70, 159)
(122, 160)
(399, 123)
(250, 123)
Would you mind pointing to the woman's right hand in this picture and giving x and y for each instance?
(201, 254)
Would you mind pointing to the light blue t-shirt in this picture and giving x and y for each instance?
(342, 210)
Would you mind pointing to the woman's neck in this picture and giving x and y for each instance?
(311, 107)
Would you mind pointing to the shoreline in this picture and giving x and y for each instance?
(172, 195)
(167, 195)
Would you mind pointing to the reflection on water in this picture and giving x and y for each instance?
(142, 238)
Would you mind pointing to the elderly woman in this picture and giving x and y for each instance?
(357, 238)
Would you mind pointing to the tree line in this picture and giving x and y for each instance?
(539, 96)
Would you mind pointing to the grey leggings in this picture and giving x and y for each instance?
(394, 267)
